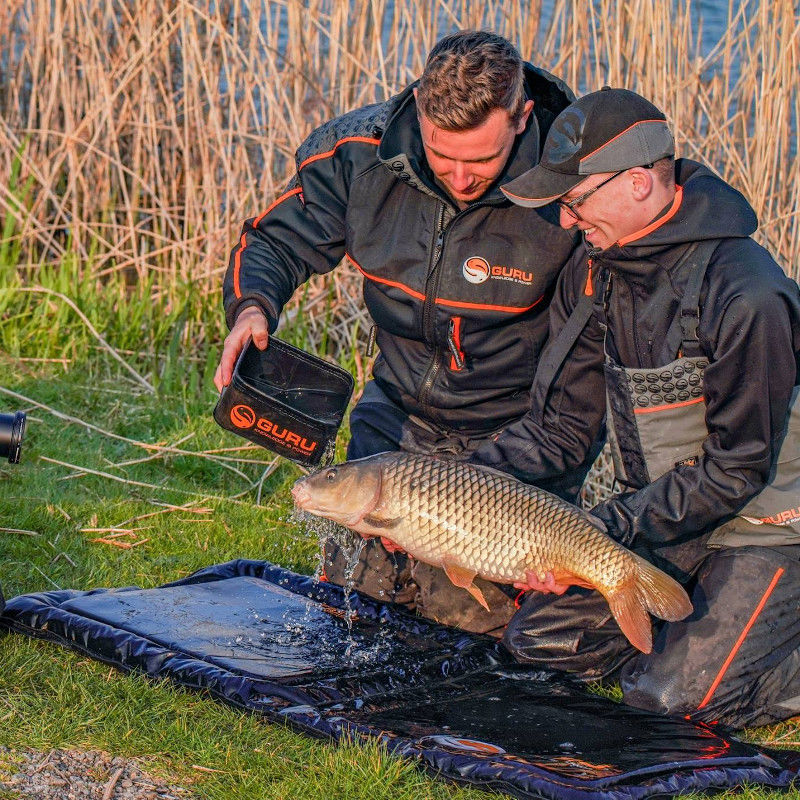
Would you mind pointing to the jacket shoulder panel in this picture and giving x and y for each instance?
(741, 266)
(367, 122)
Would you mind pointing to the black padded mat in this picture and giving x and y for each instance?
(262, 638)
(249, 625)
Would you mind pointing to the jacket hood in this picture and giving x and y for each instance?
(401, 149)
(708, 208)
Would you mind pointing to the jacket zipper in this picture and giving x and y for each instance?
(454, 344)
(371, 341)
(429, 308)
(431, 292)
(432, 287)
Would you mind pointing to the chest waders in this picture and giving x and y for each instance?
(737, 659)
(656, 422)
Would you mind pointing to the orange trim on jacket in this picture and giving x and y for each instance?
(441, 301)
(742, 636)
(656, 224)
(329, 153)
(237, 259)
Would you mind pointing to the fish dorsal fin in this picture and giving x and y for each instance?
(464, 578)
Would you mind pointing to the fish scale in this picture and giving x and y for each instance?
(502, 509)
(472, 521)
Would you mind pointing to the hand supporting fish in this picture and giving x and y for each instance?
(390, 546)
(549, 584)
(471, 521)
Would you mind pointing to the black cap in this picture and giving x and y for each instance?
(606, 131)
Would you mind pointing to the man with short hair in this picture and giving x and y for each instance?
(456, 278)
(674, 325)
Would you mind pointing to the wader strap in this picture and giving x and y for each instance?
(557, 351)
(696, 261)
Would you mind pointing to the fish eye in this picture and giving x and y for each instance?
(330, 475)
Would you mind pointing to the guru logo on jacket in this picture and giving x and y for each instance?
(476, 269)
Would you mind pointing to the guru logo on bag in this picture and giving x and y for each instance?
(243, 416)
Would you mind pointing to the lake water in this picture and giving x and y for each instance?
(712, 14)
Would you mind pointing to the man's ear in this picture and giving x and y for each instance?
(526, 112)
(642, 182)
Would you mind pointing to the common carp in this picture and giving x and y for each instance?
(471, 520)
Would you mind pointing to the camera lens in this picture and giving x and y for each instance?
(12, 429)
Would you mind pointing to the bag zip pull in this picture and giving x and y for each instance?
(371, 341)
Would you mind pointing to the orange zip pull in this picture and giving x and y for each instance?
(588, 291)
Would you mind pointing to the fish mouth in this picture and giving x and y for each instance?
(301, 495)
(304, 500)
(332, 509)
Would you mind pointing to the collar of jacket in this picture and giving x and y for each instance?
(401, 148)
(709, 209)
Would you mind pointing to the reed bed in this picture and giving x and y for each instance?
(136, 135)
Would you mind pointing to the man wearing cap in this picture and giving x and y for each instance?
(456, 278)
(686, 332)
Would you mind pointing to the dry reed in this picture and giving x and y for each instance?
(145, 131)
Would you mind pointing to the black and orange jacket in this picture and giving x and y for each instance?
(749, 329)
(459, 298)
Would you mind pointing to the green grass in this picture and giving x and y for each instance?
(51, 697)
(65, 700)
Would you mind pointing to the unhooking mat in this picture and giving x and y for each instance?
(265, 639)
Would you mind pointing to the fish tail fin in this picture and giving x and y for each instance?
(663, 596)
(648, 590)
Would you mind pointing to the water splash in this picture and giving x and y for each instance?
(351, 544)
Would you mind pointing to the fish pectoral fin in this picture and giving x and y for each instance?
(464, 578)
(381, 522)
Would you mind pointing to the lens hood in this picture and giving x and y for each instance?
(12, 430)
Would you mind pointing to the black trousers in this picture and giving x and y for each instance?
(735, 660)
